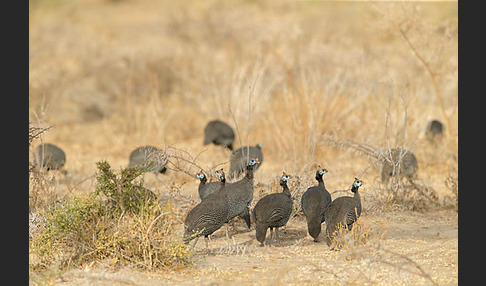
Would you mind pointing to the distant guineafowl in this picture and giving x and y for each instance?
(209, 215)
(240, 194)
(206, 188)
(50, 156)
(273, 211)
(400, 162)
(343, 212)
(219, 133)
(434, 131)
(148, 155)
(315, 202)
(239, 158)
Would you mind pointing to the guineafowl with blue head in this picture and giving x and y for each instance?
(343, 212)
(239, 158)
(273, 211)
(209, 215)
(314, 202)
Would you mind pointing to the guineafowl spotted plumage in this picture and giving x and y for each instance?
(273, 211)
(434, 131)
(398, 161)
(343, 212)
(148, 155)
(315, 202)
(219, 133)
(240, 156)
(206, 188)
(50, 156)
(209, 215)
(240, 194)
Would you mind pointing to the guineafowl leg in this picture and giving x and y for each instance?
(271, 236)
(277, 237)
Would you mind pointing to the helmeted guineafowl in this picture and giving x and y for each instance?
(240, 156)
(50, 156)
(148, 155)
(315, 202)
(209, 215)
(343, 212)
(398, 161)
(240, 194)
(434, 131)
(219, 133)
(273, 211)
(206, 188)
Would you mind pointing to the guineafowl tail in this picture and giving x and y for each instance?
(314, 227)
(261, 232)
(245, 215)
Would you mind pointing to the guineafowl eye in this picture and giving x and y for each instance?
(252, 162)
(200, 176)
(322, 172)
(285, 179)
(357, 183)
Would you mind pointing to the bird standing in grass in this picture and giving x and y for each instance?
(240, 194)
(206, 188)
(273, 211)
(209, 215)
(343, 212)
(315, 202)
(219, 133)
(50, 156)
(148, 156)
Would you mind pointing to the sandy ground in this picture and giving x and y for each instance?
(416, 248)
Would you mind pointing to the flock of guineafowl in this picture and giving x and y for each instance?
(222, 201)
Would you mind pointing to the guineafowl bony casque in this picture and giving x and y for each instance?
(315, 202)
(343, 212)
(146, 156)
(206, 188)
(240, 194)
(398, 161)
(50, 156)
(209, 215)
(239, 158)
(219, 133)
(273, 211)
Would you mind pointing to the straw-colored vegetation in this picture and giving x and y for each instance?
(329, 83)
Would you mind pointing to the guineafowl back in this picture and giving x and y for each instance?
(50, 156)
(209, 215)
(239, 158)
(273, 210)
(205, 189)
(408, 164)
(144, 155)
(219, 133)
(240, 193)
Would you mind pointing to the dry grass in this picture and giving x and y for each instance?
(330, 83)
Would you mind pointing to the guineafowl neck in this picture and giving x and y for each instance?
(356, 194)
(249, 172)
(286, 190)
(321, 182)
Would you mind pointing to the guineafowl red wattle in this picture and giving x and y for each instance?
(315, 202)
(273, 211)
(343, 212)
(219, 133)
